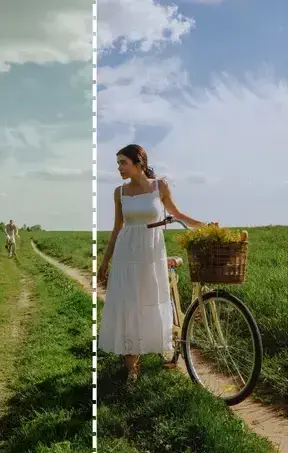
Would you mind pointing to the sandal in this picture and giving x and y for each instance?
(133, 374)
(132, 377)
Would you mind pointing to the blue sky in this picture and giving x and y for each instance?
(205, 91)
(201, 84)
(236, 36)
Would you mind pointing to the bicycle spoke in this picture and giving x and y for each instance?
(224, 364)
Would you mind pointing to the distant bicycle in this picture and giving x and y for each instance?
(10, 247)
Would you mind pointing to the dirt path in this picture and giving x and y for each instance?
(76, 274)
(12, 335)
(83, 278)
(264, 420)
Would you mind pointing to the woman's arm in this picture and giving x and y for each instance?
(118, 225)
(167, 200)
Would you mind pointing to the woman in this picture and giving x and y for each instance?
(137, 316)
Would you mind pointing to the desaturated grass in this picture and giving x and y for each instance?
(50, 411)
(10, 278)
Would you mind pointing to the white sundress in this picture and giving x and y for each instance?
(137, 315)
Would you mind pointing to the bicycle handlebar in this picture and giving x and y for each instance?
(169, 219)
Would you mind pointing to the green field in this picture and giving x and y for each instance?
(265, 291)
(166, 405)
(68, 247)
(45, 357)
(164, 412)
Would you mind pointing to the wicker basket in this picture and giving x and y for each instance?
(218, 263)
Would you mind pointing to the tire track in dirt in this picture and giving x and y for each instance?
(265, 420)
(12, 336)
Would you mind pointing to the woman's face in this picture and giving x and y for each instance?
(126, 167)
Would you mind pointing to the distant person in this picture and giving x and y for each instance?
(11, 231)
(137, 316)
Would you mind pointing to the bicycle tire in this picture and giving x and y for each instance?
(250, 385)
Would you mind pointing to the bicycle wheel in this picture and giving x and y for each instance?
(228, 360)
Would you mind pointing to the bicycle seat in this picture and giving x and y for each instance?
(174, 261)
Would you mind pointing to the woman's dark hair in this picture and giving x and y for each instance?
(138, 155)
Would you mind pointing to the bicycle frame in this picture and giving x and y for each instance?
(204, 305)
(197, 292)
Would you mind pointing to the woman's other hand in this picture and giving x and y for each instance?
(102, 274)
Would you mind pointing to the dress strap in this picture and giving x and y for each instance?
(156, 185)
(121, 192)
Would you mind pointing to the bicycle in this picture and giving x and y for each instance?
(10, 247)
(199, 335)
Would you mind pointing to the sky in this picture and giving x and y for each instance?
(201, 84)
(45, 113)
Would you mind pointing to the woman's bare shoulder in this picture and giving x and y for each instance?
(163, 185)
(117, 193)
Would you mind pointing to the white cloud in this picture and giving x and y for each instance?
(233, 133)
(212, 129)
(234, 130)
(57, 174)
(147, 73)
(33, 141)
(43, 32)
(82, 80)
(205, 2)
(141, 83)
(54, 190)
(200, 178)
(28, 141)
(139, 24)
(108, 177)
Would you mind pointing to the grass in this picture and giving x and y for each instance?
(10, 278)
(265, 291)
(72, 248)
(50, 410)
(266, 294)
(164, 412)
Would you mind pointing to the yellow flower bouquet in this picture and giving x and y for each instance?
(215, 254)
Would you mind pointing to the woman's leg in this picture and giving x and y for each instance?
(131, 362)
